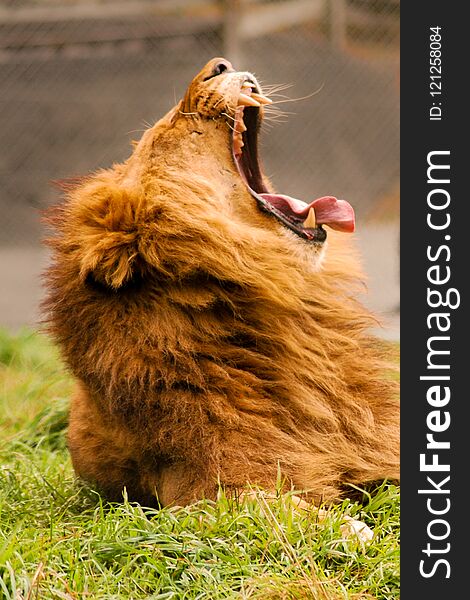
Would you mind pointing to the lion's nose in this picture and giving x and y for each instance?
(220, 66)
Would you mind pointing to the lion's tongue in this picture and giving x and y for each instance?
(337, 214)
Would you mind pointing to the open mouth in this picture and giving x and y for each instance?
(304, 219)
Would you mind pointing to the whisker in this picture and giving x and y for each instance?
(276, 111)
(218, 101)
(276, 116)
(228, 116)
(273, 92)
(275, 88)
(278, 95)
(302, 97)
(268, 125)
(232, 107)
(231, 126)
(270, 122)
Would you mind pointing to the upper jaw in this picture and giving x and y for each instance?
(250, 96)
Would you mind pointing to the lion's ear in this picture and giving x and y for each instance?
(112, 261)
(103, 230)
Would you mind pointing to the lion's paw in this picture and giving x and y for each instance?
(358, 529)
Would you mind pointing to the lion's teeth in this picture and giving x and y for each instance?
(241, 127)
(310, 222)
(261, 99)
(244, 100)
(237, 144)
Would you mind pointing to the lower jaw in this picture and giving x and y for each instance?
(318, 238)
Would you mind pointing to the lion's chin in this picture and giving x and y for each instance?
(310, 257)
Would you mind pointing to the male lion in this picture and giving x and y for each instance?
(213, 339)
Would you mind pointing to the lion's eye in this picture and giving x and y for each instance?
(217, 70)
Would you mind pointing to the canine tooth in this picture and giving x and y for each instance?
(244, 100)
(261, 99)
(310, 221)
(241, 127)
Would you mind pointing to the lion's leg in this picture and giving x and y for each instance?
(179, 483)
(102, 454)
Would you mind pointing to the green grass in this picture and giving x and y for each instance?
(59, 540)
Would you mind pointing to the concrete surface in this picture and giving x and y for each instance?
(379, 246)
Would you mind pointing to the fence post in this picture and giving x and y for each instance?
(231, 31)
(338, 23)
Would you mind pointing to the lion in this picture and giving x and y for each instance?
(211, 324)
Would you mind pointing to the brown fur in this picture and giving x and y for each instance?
(206, 348)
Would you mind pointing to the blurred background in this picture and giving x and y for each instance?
(80, 79)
